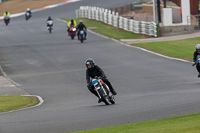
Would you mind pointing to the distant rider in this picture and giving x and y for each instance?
(6, 14)
(91, 72)
(29, 11)
(49, 22)
(72, 22)
(196, 57)
(80, 27)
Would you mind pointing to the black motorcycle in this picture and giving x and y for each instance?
(6, 20)
(50, 25)
(103, 91)
(81, 35)
(50, 28)
(27, 16)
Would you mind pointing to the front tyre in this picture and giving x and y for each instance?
(81, 38)
(50, 30)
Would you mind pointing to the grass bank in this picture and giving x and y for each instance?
(183, 124)
(8, 103)
(183, 49)
(108, 30)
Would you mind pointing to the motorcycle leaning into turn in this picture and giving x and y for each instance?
(103, 91)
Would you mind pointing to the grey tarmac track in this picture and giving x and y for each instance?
(52, 66)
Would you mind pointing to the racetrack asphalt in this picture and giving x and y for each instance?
(52, 66)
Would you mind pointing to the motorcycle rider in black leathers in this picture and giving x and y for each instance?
(93, 71)
(196, 57)
(80, 27)
(49, 20)
(29, 11)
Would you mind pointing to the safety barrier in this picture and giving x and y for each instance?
(113, 18)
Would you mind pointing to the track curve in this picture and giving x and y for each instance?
(52, 66)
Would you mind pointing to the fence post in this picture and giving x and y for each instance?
(77, 16)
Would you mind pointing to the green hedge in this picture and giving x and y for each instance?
(3, 0)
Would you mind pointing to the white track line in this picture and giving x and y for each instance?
(5, 75)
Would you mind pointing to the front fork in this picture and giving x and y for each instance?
(97, 90)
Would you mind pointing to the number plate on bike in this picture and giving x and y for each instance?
(94, 82)
(81, 32)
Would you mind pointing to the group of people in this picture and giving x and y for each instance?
(72, 22)
(79, 27)
(49, 22)
(7, 14)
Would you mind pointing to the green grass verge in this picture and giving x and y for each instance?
(183, 124)
(107, 30)
(8, 103)
(183, 49)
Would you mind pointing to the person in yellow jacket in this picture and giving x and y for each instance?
(70, 23)
(6, 14)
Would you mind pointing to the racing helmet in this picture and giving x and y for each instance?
(89, 61)
(28, 9)
(197, 46)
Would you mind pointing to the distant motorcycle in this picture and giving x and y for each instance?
(27, 16)
(50, 25)
(6, 20)
(103, 91)
(72, 31)
(81, 35)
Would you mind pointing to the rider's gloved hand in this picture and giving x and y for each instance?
(89, 85)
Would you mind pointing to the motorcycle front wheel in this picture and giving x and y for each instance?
(111, 97)
(104, 97)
